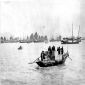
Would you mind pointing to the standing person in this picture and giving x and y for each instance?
(53, 53)
(49, 48)
(49, 52)
(53, 48)
(62, 50)
(58, 49)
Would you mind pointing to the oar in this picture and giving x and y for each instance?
(33, 61)
(69, 58)
(67, 52)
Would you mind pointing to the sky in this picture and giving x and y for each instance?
(47, 17)
(82, 16)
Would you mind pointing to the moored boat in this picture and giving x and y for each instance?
(68, 41)
(71, 40)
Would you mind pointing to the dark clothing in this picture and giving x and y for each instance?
(62, 50)
(58, 49)
(53, 53)
(49, 50)
(53, 48)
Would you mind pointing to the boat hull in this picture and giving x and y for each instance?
(41, 64)
(64, 42)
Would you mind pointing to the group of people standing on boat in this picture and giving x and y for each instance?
(60, 50)
(50, 54)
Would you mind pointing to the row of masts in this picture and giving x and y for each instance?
(78, 31)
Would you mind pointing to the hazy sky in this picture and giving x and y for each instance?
(44, 16)
(82, 16)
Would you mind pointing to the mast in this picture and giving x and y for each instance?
(78, 31)
(72, 32)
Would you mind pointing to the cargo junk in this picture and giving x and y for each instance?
(71, 40)
(47, 62)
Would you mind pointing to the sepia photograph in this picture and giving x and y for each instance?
(42, 42)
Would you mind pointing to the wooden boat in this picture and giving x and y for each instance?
(68, 41)
(72, 40)
(48, 63)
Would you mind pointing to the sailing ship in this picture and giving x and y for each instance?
(72, 40)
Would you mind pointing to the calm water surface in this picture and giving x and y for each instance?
(15, 70)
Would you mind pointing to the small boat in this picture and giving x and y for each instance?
(51, 58)
(48, 63)
(20, 48)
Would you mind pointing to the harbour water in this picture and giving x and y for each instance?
(15, 70)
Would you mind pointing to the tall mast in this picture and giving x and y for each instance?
(79, 31)
(72, 30)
